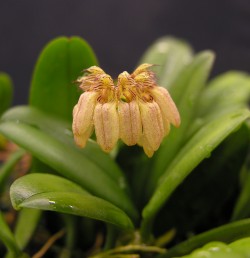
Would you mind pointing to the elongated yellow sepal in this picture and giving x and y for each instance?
(167, 105)
(83, 117)
(129, 122)
(152, 124)
(106, 123)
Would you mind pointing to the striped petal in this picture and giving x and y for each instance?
(106, 123)
(141, 68)
(129, 122)
(152, 124)
(167, 105)
(83, 118)
(146, 146)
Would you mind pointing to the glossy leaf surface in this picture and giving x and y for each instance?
(69, 163)
(49, 192)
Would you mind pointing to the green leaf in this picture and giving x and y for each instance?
(213, 179)
(241, 246)
(197, 149)
(24, 231)
(170, 55)
(35, 183)
(226, 233)
(61, 130)
(186, 94)
(217, 249)
(6, 92)
(8, 238)
(229, 91)
(59, 65)
(49, 192)
(8, 166)
(68, 162)
(242, 207)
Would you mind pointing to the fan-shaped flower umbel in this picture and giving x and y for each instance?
(136, 110)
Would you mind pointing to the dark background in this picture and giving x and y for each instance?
(120, 31)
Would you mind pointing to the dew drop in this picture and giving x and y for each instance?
(52, 204)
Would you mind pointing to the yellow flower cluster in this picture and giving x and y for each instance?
(136, 110)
